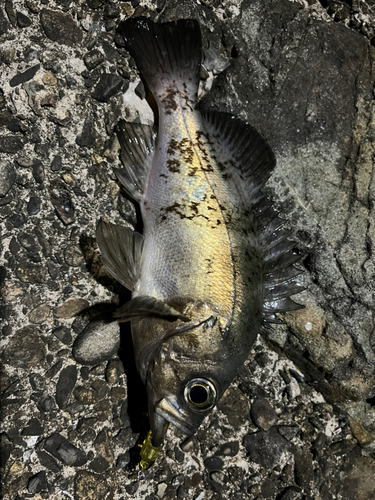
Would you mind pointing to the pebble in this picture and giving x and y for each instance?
(73, 256)
(92, 395)
(33, 205)
(7, 177)
(88, 136)
(56, 164)
(6, 448)
(118, 393)
(11, 144)
(108, 86)
(60, 27)
(46, 460)
(71, 308)
(10, 12)
(103, 448)
(235, 406)
(37, 483)
(265, 447)
(25, 349)
(49, 78)
(37, 382)
(46, 403)
(113, 371)
(33, 428)
(93, 59)
(40, 314)
(63, 450)
(16, 220)
(23, 21)
(65, 385)
(228, 449)
(132, 488)
(263, 414)
(213, 463)
(292, 493)
(63, 334)
(304, 469)
(90, 485)
(64, 207)
(288, 431)
(30, 273)
(54, 370)
(25, 76)
(98, 342)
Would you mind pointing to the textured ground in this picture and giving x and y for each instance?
(299, 422)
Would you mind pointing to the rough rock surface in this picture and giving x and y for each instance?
(299, 421)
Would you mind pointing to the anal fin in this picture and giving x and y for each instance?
(121, 250)
(137, 143)
(145, 306)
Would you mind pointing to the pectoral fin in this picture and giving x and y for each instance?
(137, 148)
(121, 249)
(145, 306)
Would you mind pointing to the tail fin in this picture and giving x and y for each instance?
(168, 53)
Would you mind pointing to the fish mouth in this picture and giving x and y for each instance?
(169, 409)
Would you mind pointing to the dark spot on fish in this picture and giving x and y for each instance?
(173, 166)
(192, 171)
(211, 208)
(172, 208)
(163, 175)
(184, 147)
(169, 101)
(172, 148)
(207, 168)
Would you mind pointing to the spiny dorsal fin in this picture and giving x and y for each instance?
(251, 155)
(145, 306)
(121, 250)
(251, 163)
(137, 143)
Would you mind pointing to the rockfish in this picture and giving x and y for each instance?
(213, 262)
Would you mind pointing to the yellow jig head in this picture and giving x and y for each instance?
(148, 452)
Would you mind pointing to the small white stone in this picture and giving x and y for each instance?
(32, 441)
(26, 456)
(308, 326)
(161, 489)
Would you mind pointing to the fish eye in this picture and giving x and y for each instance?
(200, 394)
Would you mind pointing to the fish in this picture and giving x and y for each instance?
(214, 262)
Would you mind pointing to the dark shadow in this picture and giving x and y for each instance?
(137, 396)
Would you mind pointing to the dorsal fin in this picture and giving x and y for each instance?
(251, 155)
(137, 143)
(252, 163)
(121, 250)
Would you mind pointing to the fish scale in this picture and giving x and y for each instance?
(214, 262)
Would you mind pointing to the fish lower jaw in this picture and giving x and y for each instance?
(170, 411)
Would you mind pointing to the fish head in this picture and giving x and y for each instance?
(187, 374)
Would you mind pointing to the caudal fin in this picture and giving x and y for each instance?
(166, 54)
